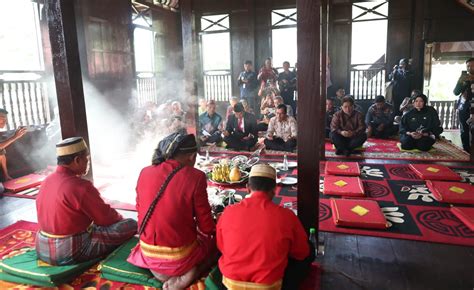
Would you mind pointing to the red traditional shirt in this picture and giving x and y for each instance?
(68, 204)
(256, 237)
(182, 207)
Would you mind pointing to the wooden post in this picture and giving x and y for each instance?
(324, 59)
(189, 56)
(67, 69)
(309, 110)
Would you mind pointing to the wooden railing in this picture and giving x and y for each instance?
(217, 85)
(27, 101)
(368, 83)
(147, 90)
(447, 113)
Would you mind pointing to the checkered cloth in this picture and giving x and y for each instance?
(98, 241)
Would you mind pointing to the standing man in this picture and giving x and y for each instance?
(347, 128)
(287, 85)
(75, 224)
(263, 245)
(20, 132)
(210, 124)
(248, 84)
(465, 90)
(282, 131)
(241, 129)
(402, 78)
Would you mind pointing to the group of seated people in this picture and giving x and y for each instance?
(179, 240)
(240, 129)
(419, 126)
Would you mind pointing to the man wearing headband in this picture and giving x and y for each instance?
(177, 242)
(7, 142)
(75, 224)
(263, 245)
(241, 129)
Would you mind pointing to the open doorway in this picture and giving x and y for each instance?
(444, 63)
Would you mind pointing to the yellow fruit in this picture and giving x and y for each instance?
(234, 174)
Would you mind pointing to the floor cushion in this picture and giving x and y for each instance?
(451, 191)
(343, 186)
(342, 168)
(116, 268)
(26, 269)
(465, 214)
(25, 182)
(434, 172)
(358, 214)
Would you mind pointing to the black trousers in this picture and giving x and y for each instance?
(280, 145)
(423, 144)
(288, 98)
(297, 270)
(464, 128)
(238, 143)
(385, 133)
(344, 143)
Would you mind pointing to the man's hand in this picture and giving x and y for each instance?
(347, 134)
(19, 133)
(204, 138)
(246, 138)
(415, 135)
(270, 137)
(380, 127)
(226, 133)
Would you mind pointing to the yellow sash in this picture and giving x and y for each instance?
(239, 285)
(167, 253)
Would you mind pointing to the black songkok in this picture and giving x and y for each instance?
(178, 142)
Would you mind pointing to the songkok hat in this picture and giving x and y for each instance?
(263, 170)
(70, 146)
(172, 144)
(379, 99)
(238, 108)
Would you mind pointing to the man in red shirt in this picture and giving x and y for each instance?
(75, 224)
(263, 245)
(177, 231)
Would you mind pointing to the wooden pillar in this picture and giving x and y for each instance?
(189, 56)
(67, 68)
(324, 60)
(309, 104)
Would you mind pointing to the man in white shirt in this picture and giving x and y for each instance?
(282, 131)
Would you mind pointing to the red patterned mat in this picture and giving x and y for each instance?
(443, 150)
(410, 208)
(20, 236)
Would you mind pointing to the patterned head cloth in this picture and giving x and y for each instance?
(263, 170)
(172, 144)
(70, 146)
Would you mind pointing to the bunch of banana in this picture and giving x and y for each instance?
(220, 172)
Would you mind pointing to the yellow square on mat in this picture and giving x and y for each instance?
(22, 180)
(432, 169)
(43, 264)
(340, 183)
(360, 210)
(342, 167)
(457, 189)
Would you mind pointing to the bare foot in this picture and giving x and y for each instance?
(8, 177)
(181, 282)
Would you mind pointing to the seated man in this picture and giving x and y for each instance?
(330, 111)
(282, 131)
(230, 109)
(176, 232)
(209, 124)
(347, 128)
(379, 119)
(263, 245)
(420, 127)
(278, 100)
(241, 129)
(7, 142)
(75, 224)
